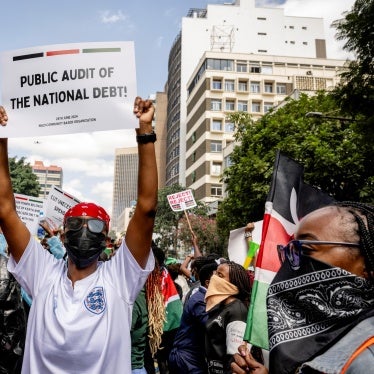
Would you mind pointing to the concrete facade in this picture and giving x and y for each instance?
(48, 176)
(224, 83)
(238, 27)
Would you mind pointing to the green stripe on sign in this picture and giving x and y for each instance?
(100, 50)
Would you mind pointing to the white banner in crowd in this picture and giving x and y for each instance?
(57, 204)
(181, 200)
(29, 209)
(68, 88)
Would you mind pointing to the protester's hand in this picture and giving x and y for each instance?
(44, 224)
(144, 110)
(245, 363)
(3, 116)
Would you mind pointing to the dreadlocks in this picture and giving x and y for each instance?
(156, 309)
(363, 224)
(240, 278)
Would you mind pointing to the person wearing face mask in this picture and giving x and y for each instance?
(80, 317)
(320, 305)
(227, 300)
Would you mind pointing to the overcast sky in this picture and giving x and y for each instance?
(88, 159)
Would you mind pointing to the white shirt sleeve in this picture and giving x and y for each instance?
(35, 267)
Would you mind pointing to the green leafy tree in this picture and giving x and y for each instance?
(355, 93)
(329, 150)
(205, 229)
(167, 221)
(23, 179)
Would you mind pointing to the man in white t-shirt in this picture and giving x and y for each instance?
(80, 317)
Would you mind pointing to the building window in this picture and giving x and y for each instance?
(216, 168)
(242, 106)
(229, 85)
(217, 84)
(194, 157)
(215, 146)
(230, 105)
(216, 125)
(243, 86)
(305, 43)
(261, 33)
(255, 87)
(229, 127)
(291, 27)
(281, 88)
(267, 69)
(255, 69)
(241, 67)
(216, 190)
(256, 107)
(193, 176)
(268, 87)
(268, 106)
(261, 18)
(261, 51)
(193, 137)
(228, 162)
(216, 104)
(292, 42)
(217, 64)
(304, 28)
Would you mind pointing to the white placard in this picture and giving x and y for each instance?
(29, 209)
(181, 200)
(57, 204)
(68, 88)
(238, 244)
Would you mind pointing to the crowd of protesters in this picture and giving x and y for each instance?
(97, 307)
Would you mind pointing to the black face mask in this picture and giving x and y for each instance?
(84, 246)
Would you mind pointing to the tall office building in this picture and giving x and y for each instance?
(125, 186)
(239, 28)
(48, 176)
(223, 83)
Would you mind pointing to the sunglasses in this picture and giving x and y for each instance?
(94, 225)
(293, 251)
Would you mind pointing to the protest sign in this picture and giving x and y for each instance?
(29, 209)
(239, 249)
(58, 202)
(68, 88)
(181, 200)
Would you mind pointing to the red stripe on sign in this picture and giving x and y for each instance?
(63, 52)
(22, 198)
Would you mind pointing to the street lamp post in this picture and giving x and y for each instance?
(321, 115)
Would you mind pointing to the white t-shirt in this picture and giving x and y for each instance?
(85, 329)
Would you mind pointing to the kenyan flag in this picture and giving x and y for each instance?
(173, 303)
(289, 200)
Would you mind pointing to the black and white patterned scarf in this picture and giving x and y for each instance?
(310, 309)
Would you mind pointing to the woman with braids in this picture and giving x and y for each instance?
(320, 304)
(227, 300)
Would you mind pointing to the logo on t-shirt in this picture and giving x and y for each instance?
(95, 300)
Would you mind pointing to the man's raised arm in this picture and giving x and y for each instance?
(140, 229)
(16, 233)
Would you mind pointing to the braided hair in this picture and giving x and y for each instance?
(361, 226)
(239, 277)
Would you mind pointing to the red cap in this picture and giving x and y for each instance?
(89, 210)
